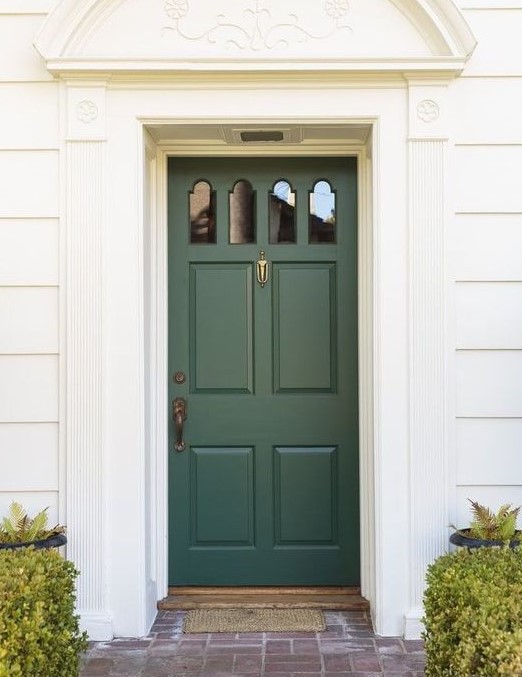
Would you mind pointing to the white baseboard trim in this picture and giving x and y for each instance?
(97, 625)
(413, 626)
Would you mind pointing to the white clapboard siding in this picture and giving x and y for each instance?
(488, 110)
(489, 315)
(492, 496)
(489, 383)
(489, 4)
(33, 502)
(29, 252)
(489, 451)
(499, 49)
(487, 178)
(28, 320)
(29, 388)
(29, 183)
(486, 247)
(29, 115)
(29, 457)
(19, 60)
(26, 6)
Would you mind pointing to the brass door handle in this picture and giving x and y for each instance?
(179, 413)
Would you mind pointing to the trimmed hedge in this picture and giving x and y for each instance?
(39, 633)
(473, 614)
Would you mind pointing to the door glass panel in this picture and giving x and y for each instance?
(202, 205)
(322, 213)
(282, 213)
(242, 225)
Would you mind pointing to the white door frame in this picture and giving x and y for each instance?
(116, 261)
(372, 482)
(156, 163)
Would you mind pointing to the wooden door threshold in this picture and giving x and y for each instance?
(327, 598)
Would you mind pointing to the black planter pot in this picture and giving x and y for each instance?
(55, 541)
(459, 538)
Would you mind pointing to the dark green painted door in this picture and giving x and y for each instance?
(266, 490)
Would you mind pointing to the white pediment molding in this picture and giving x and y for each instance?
(163, 36)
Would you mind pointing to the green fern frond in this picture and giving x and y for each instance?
(17, 516)
(7, 527)
(489, 526)
(18, 527)
(506, 511)
(37, 526)
(507, 527)
(481, 514)
(15, 521)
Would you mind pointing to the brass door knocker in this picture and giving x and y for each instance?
(262, 267)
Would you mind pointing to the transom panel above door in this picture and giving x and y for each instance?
(263, 489)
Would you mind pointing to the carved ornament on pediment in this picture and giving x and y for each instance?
(261, 25)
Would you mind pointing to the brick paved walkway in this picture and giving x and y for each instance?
(348, 648)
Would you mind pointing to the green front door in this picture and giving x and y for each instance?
(263, 350)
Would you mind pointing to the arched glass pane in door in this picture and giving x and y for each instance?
(281, 211)
(242, 224)
(202, 206)
(322, 213)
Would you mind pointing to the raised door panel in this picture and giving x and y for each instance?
(222, 497)
(221, 328)
(305, 493)
(305, 346)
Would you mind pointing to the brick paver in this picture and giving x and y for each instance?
(348, 648)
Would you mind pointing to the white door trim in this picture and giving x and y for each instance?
(158, 331)
(124, 564)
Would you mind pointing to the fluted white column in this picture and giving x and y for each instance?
(84, 200)
(428, 477)
(84, 368)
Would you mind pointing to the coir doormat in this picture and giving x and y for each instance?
(254, 620)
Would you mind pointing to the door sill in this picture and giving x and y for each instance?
(327, 598)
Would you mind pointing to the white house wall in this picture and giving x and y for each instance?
(19, 61)
(485, 262)
(26, 6)
(29, 251)
(498, 50)
(29, 266)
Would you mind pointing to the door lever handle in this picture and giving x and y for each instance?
(179, 413)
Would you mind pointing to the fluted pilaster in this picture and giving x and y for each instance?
(427, 408)
(83, 224)
(84, 371)
(428, 478)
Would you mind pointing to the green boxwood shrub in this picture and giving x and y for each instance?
(39, 633)
(473, 614)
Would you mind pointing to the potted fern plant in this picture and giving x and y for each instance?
(489, 529)
(18, 530)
